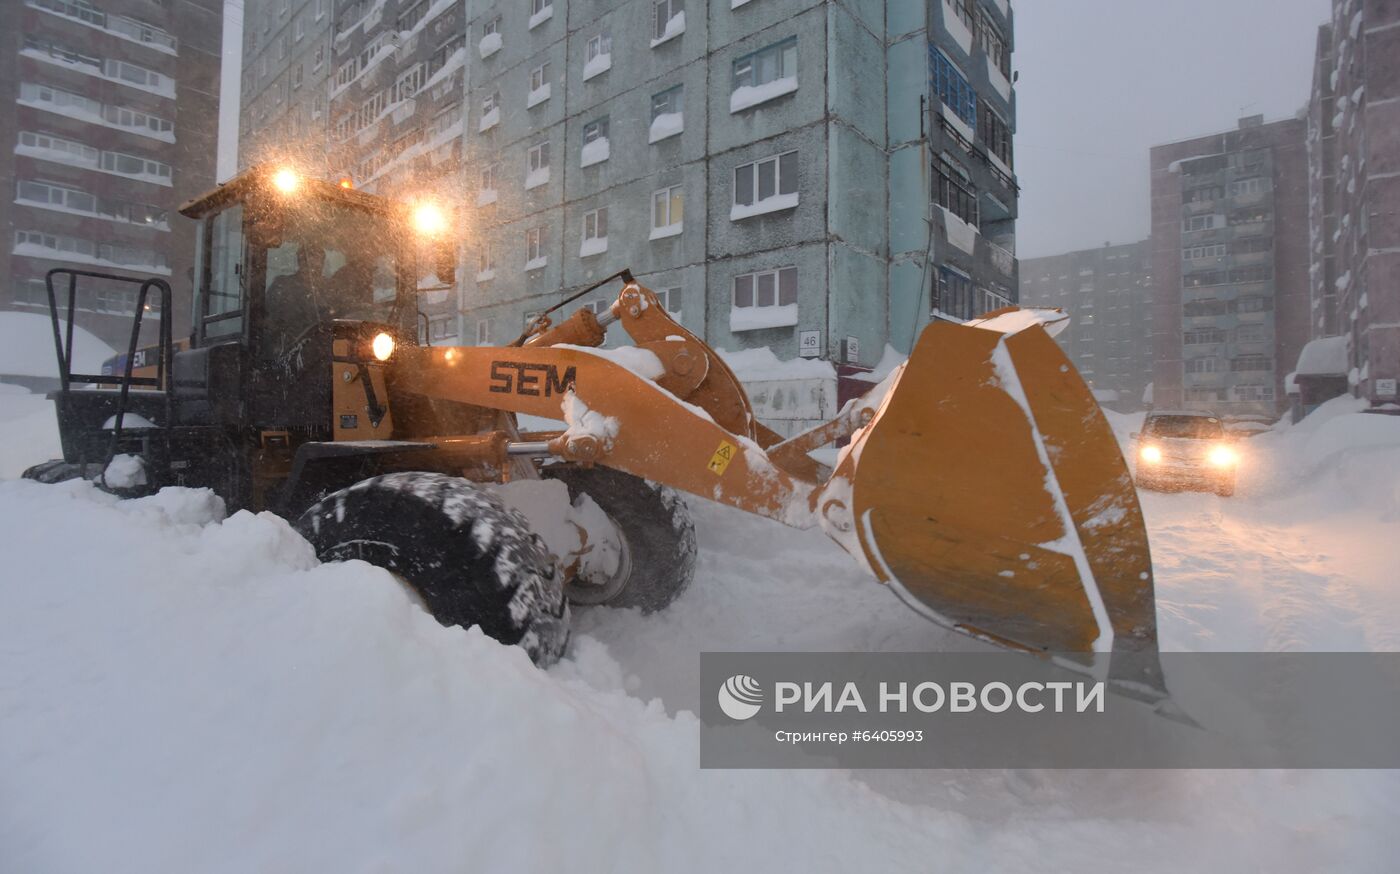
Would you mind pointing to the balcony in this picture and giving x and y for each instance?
(1001, 258)
(993, 164)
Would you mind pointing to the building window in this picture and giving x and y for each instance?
(955, 293)
(1204, 194)
(540, 10)
(595, 142)
(57, 195)
(668, 20)
(1203, 337)
(441, 328)
(444, 52)
(299, 29)
(667, 114)
(321, 9)
(1201, 365)
(764, 186)
(764, 299)
(764, 75)
(1206, 307)
(537, 159)
(670, 301)
(490, 112)
(131, 165)
(598, 55)
(955, 193)
(962, 10)
(535, 241)
(139, 76)
(485, 263)
(409, 82)
(952, 87)
(595, 232)
(990, 38)
(297, 74)
(1200, 222)
(995, 135)
(1251, 363)
(539, 86)
(483, 332)
(413, 15)
(492, 27)
(667, 209)
(1256, 185)
(1197, 253)
(66, 150)
(1253, 304)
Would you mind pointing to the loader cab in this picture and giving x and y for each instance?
(291, 275)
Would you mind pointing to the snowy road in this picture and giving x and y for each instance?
(180, 691)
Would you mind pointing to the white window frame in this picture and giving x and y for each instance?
(538, 86)
(593, 221)
(778, 199)
(537, 163)
(483, 332)
(761, 316)
(660, 26)
(667, 196)
(536, 239)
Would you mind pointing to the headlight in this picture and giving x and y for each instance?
(1222, 456)
(429, 220)
(1150, 454)
(382, 346)
(286, 180)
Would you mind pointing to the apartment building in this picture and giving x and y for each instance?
(1230, 265)
(1353, 142)
(1107, 292)
(764, 165)
(810, 175)
(287, 63)
(111, 111)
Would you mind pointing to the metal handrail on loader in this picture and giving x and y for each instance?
(64, 347)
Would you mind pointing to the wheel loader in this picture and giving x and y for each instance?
(978, 481)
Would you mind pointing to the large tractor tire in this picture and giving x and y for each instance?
(470, 559)
(657, 533)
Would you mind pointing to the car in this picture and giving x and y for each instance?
(1186, 449)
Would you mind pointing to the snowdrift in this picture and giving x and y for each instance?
(182, 691)
(26, 347)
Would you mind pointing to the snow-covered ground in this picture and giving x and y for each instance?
(180, 691)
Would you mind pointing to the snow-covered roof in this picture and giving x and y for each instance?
(26, 347)
(1325, 356)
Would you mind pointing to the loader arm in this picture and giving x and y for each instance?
(653, 434)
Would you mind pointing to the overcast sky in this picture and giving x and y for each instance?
(1101, 81)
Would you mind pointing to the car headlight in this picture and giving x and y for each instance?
(382, 346)
(1150, 454)
(1222, 456)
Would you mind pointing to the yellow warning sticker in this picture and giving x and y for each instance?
(723, 455)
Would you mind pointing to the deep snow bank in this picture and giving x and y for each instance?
(189, 693)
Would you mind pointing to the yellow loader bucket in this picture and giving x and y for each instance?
(989, 492)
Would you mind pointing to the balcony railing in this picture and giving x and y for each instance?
(1001, 258)
(977, 152)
